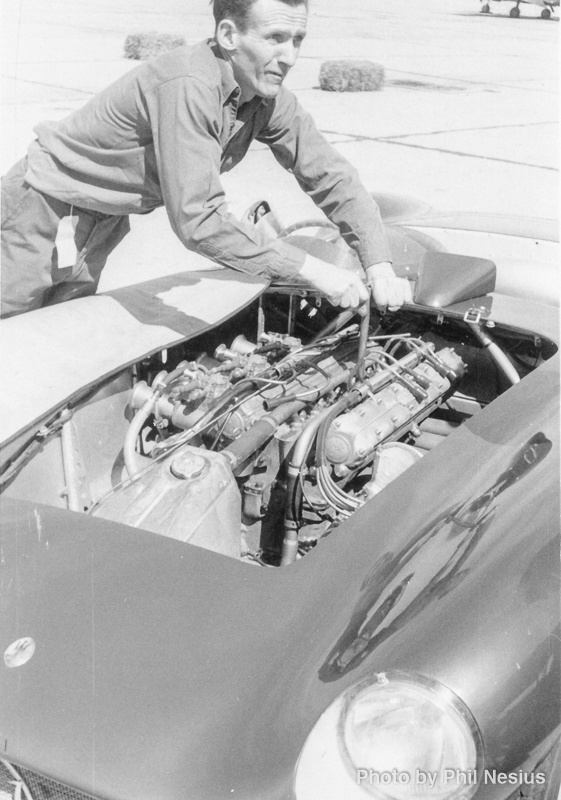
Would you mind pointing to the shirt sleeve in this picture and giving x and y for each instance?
(186, 134)
(327, 177)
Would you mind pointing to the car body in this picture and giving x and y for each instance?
(303, 568)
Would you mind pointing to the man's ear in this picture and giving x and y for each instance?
(227, 35)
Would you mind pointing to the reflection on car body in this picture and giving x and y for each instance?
(442, 549)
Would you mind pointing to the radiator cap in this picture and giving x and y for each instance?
(189, 466)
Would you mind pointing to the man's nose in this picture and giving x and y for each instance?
(288, 53)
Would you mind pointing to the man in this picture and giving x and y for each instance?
(161, 135)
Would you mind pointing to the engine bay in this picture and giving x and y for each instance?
(256, 439)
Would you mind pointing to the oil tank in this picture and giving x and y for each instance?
(191, 496)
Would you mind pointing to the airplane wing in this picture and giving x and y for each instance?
(547, 6)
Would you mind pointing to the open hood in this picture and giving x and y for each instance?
(67, 347)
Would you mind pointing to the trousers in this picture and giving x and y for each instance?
(31, 274)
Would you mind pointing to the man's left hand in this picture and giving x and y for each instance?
(388, 291)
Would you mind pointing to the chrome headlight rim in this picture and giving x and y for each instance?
(415, 680)
(444, 698)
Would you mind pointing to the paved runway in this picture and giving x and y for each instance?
(467, 119)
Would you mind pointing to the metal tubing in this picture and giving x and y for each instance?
(67, 444)
(363, 342)
(289, 544)
(335, 324)
(291, 315)
(133, 461)
(302, 446)
(260, 320)
(500, 358)
(300, 452)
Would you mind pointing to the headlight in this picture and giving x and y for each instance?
(394, 736)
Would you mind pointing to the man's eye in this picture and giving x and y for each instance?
(277, 38)
(298, 41)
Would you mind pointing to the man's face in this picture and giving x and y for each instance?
(269, 47)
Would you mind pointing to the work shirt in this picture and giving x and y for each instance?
(163, 133)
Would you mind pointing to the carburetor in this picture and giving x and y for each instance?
(199, 383)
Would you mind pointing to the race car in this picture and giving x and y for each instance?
(254, 547)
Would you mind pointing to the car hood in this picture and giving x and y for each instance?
(164, 670)
(53, 353)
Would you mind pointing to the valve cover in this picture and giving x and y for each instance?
(391, 410)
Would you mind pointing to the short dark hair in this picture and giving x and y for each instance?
(238, 10)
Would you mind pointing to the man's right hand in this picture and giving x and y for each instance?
(339, 286)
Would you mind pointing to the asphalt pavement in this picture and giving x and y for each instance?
(467, 118)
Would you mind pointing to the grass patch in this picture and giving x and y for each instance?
(351, 76)
(140, 46)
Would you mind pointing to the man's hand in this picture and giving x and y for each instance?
(388, 291)
(341, 287)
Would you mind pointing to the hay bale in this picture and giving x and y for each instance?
(141, 46)
(351, 76)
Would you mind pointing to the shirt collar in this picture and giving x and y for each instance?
(230, 88)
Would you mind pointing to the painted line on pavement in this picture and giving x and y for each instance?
(389, 140)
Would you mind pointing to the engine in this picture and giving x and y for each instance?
(258, 451)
